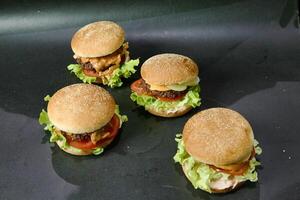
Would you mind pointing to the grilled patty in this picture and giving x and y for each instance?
(100, 64)
(171, 94)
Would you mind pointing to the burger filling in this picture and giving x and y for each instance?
(144, 89)
(106, 69)
(163, 98)
(211, 178)
(101, 64)
(85, 141)
(107, 132)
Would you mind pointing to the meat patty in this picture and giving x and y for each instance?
(80, 137)
(93, 136)
(171, 94)
(100, 64)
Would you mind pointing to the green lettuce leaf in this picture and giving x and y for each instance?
(47, 98)
(192, 98)
(44, 120)
(77, 70)
(114, 80)
(251, 174)
(98, 151)
(48, 126)
(201, 175)
(59, 137)
(122, 118)
(126, 70)
(258, 150)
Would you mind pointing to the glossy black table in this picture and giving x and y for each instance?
(249, 58)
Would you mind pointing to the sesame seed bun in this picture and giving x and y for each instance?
(81, 108)
(169, 69)
(98, 39)
(219, 137)
(176, 113)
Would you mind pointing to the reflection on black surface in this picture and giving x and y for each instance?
(289, 13)
(289, 191)
(46, 138)
(78, 170)
(27, 16)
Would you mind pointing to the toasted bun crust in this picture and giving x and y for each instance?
(177, 113)
(82, 152)
(169, 69)
(229, 189)
(81, 108)
(219, 137)
(97, 39)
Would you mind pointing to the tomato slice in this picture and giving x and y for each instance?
(112, 127)
(90, 72)
(239, 170)
(135, 86)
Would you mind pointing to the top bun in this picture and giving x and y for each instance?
(219, 137)
(169, 69)
(97, 39)
(81, 108)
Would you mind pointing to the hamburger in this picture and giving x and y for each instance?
(82, 118)
(102, 54)
(217, 150)
(169, 86)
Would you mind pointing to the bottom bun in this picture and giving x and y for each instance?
(73, 151)
(164, 113)
(229, 189)
(225, 190)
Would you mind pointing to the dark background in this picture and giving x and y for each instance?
(249, 58)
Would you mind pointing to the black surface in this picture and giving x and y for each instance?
(248, 53)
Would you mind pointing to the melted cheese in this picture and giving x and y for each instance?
(175, 87)
(96, 136)
(158, 87)
(192, 82)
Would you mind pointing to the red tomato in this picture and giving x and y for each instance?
(112, 127)
(135, 87)
(83, 144)
(238, 169)
(91, 72)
